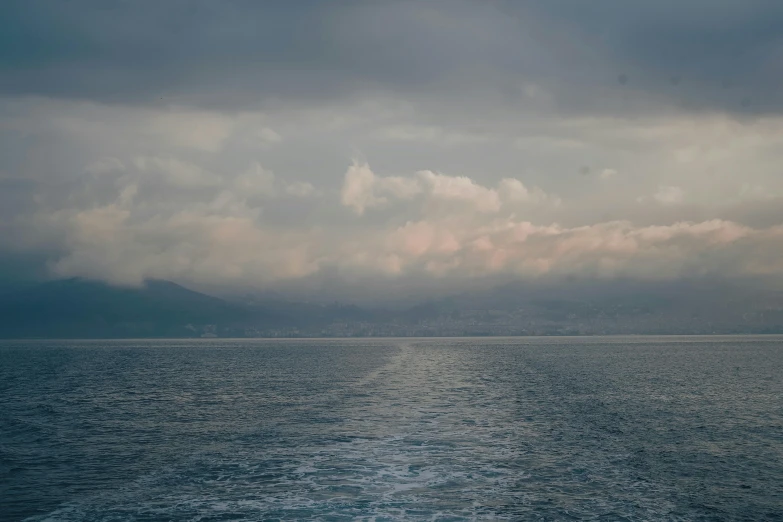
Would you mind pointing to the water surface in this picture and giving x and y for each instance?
(442, 429)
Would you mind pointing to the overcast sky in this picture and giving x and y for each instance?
(243, 144)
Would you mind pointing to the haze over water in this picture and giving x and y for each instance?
(444, 429)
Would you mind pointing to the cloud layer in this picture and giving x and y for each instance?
(363, 189)
(248, 144)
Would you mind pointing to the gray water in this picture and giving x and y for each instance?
(448, 429)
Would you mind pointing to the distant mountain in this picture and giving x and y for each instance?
(78, 308)
(609, 307)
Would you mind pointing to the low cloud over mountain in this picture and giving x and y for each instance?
(422, 145)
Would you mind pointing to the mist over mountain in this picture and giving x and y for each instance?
(389, 153)
(611, 307)
(78, 308)
(82, 308)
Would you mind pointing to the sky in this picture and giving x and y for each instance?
(383, 145)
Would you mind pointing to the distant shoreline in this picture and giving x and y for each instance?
(391, 338)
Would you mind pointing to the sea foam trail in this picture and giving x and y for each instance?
(474, 430)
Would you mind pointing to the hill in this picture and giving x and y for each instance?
(78, 308)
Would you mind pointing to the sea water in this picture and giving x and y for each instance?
(623, 428)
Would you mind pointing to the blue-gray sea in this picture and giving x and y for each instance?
(624, 428)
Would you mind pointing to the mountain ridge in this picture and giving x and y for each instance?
(81, 308)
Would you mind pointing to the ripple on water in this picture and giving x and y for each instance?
(596, 429)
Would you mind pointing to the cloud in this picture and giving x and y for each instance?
(210, 143)
(460, 189)
(463, 221)
(514, 191)
(752, 192)
(542, 54)
(267, 135)
(712, 58)
(176, 172)
(220, 245)
(223, 238)
(429, 134)
(359, 188)
(669, 195)
(225, 241)
(363, 189)
(448, 228)
(256, 181)
(301, 189)
(200, 130)
(609, 249)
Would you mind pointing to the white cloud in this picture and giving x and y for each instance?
(216, 241)
(301, 189)
(267, 135)
(358, 190)
(514, 191)
(200, 130)
(123, 194)
(104, 166)
(363, 189)
(669, 195)
(749, 191)
(223, 241)
(256, 181)
(460, 189)
(177, 172)
(398, 186)
(429, 134)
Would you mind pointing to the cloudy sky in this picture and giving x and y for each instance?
(243, 144)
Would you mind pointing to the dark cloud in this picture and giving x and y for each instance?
(16, 195)
(236, 53)
(210, 140)
(140, 51)
(686, 53)
(229, 53)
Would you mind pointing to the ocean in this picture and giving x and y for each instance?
(613, 428)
